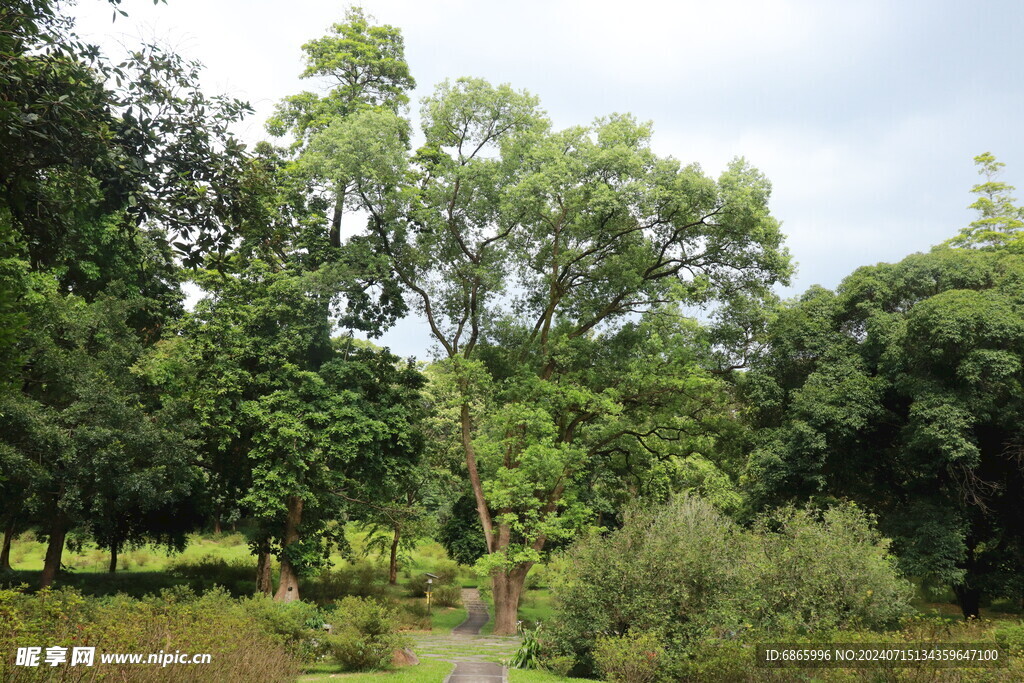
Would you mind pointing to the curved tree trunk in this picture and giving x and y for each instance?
(288, 586)
(54, 551)
(264, 582)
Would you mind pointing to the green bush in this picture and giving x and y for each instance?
(817, 574)
(447, 574)
(447, 596)
(632, 658)
(202, 574)
(686, 573)
(364, 635)
(297, 625)
(361, 579)
(176, 619)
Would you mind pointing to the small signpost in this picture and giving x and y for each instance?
(430, 586)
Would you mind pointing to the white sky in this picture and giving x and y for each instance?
(865, 115)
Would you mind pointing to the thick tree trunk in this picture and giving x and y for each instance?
(288, 586)
(216, 526)
(507, 588)
(113, 558)
(54, 551)
(969, 600)
(393, 566)
(264, 581)
(5, 552)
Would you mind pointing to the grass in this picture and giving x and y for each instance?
(444, 619)
(536, 676)
(536, 606)
(429, 671)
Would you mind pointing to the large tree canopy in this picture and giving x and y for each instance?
(550, 266)
(903, 390)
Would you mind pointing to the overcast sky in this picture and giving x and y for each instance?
(864, 115)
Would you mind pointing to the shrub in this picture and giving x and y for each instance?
(364, 635)
(177, 619)
(447, 596)
(819, 574)
(208, 571)
(686, 574)
(675, 570)
(447, 574)
(632, 658)
(297, 625)
(361, 579)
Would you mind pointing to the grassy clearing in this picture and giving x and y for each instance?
(536, 607)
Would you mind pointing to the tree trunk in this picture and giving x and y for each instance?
(288, 586)
(264, 581)
(507, 588)
(113, 558)
(474, 477)
(969, 600)
(5, 552)
(54, 551)
(216, 526)
(393, 566)
(339, 207)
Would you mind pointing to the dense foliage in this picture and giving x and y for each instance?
(903, 390)
(683, 573)
(763, 469)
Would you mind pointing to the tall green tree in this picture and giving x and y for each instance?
(107, 172)
(1000, 220)
(903, 391)
(363, 66)
(297, 428)
(91, 442)
(549, 267)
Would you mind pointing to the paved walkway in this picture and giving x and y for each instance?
(474, 655)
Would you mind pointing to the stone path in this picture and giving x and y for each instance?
(475, 656)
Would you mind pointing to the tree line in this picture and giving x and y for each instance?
(553, 268)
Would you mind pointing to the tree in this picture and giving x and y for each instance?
(297, 427)
(1000, 219)
(90, 440)
(902, 391)
(105, 171)
(364, 66)
(549, 266)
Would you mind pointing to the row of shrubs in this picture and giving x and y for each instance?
(683, 593)
(248, 638)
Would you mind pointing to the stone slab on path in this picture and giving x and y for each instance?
(474, 671)
(476, 613)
